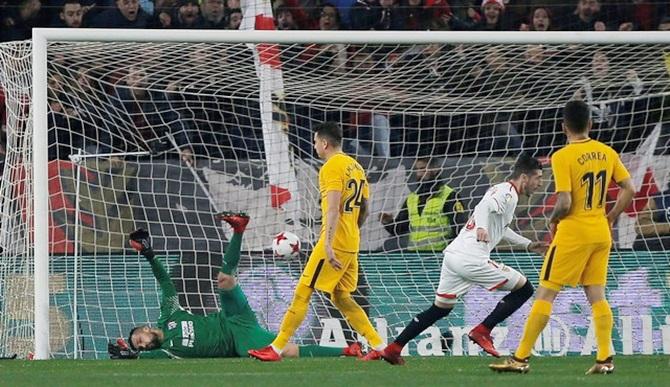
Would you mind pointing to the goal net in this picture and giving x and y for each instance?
(163, 135)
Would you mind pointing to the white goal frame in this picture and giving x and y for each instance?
(42, 36)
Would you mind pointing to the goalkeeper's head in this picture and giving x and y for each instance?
(145, 338)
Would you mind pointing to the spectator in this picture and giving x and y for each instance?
(213, 15)
(326, 57)
(150, 112)
(230, 5)
(389, 17)
(463, 14)
(18, 22)
(369, 133)
(303, 13)
(438, 14)
(653, 223)
(329, 18)
(162, 16)
(364, 15)
(284, 19)
(620, 123)
(82, 105)
(126, 14)
(539, 20)
(664, 24)
(344, 9)
(58, 118)
(71, 14)
(416, 16)
(430, 216)
(587, 17)
(493, 16)
(187, 15)
(234, 18)
(637, 14)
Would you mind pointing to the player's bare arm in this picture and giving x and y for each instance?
(512, 237)
(561, 209)
(538, 247)
(363, 213)
(332, 217)
(623, 200)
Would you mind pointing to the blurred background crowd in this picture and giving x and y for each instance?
(211, 115)
(17, 17)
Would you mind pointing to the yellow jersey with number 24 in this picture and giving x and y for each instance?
(344, 174)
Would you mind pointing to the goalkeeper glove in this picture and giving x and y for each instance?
(120, 350)
(139, 240)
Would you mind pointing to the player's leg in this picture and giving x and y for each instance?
(496, 276)
(537, 320)
(450, 287)
(231, 258)
(249, 336)
(294, 350)
(563, 265)
(437, 311)
(233, 300)
(345, 303)
(294, 316)
(594, 280)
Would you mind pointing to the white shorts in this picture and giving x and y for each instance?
(460, 272)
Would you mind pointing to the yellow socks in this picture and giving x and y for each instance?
(537, 320)
(356, 317)
(603, 321)
(293, 317)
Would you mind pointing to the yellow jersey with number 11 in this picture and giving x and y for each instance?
(585, 169)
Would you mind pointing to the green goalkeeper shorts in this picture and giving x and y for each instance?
(241, 320)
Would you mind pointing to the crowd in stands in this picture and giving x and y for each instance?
(18, 17)
(221, 126)
(114, 103)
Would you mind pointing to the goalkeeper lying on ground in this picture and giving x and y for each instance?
(229, 333)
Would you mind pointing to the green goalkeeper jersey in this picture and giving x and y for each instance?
(187, 334)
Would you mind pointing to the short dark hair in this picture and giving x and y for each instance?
(525, 164)
(576, 116)
(330, 131)
(130, 338)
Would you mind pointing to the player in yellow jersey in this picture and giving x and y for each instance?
(333, 265)
(582, 240)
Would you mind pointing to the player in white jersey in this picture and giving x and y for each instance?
(467, 261)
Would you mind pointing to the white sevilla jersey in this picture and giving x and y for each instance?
(494, 213)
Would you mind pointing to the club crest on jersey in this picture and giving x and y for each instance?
(508, 197)
(171, 325)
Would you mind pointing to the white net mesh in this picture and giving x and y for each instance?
(198, 108)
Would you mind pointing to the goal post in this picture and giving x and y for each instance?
(39, 109)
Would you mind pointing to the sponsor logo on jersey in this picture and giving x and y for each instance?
(187, 334)
(171, 325)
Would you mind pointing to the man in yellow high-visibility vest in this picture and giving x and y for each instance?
(430, 216)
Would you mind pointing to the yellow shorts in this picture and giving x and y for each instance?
(320, 275)
(569, 264)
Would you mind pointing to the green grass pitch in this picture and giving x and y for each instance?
(636, 371)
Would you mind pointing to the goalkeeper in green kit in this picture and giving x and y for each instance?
(229, 333)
